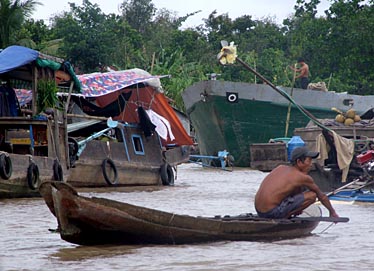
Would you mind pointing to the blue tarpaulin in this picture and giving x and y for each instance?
(16, 56)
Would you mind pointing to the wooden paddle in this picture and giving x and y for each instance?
(322, 219)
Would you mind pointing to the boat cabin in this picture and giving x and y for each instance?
(33, 146)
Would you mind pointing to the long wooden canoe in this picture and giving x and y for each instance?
(91, 221)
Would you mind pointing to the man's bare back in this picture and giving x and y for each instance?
(288, 190)
(282, 182)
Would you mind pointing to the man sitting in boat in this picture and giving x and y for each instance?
(281, 193)
(303, 72)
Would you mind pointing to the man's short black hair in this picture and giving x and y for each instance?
(300, 59)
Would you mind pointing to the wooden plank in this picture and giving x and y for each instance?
(322, 219)
(298, 218)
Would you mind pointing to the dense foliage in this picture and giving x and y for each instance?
(337, 46)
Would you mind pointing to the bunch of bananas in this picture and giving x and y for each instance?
(348, 118)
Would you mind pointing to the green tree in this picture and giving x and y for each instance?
(12, 16)
(88, 36)
(138, 13)
(33, 34)
(352, 42)
(182, 73)
(129, 48)
(218, 28)
(305, 31)
(194, 45)
(264, 34)
(337, 47)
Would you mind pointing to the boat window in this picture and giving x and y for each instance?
(137, 144)
(348, 102)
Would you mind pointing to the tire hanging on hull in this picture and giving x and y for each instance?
(33, 176)
(167, 174)
(112, 166)
(6, 167)
(58, 175)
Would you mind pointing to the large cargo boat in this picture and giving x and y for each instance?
(232, 115)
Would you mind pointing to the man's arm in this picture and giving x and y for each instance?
(295, 69)
(326, 202)
(320, 195)
(303, 72)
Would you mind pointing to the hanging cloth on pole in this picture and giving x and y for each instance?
(163, 127)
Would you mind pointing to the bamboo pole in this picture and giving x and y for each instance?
(65, 124)
(290, 104)
(254, 64)
(328, 85)
(153, 61)
(86, 117)
(34, 104)
(56, 133)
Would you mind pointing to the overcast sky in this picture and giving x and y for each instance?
(258, 9)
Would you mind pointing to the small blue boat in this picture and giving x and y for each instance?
(353, 196)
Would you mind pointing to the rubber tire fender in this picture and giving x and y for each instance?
(105, 173)
(167, 174)
(33, 176)
(58, 175)
(6, 167)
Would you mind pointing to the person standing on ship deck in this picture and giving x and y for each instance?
(303, 72)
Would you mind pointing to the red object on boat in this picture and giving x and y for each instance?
(365, 157)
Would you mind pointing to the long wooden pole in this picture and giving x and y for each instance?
(290, 104)
(34, 103)
(65, 124)
(328, 85)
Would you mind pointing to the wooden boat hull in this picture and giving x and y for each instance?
(87, 172)
(132, 167)
(232, 116)
(18, 185)
(90, 221)
(30, 162)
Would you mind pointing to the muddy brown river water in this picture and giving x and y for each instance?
(27, 244)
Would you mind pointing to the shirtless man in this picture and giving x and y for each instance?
(282, 194)
(303, 72)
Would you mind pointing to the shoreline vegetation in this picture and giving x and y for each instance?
(337, 46)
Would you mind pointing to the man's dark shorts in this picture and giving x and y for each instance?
(304, 82)
(288, 205)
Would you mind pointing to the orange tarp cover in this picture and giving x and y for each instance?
(148, 98)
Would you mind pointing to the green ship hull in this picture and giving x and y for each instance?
(232, 116)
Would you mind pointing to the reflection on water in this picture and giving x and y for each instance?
(27, 243)
(80, 253)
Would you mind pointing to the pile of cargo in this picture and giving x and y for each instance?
(348, 118)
